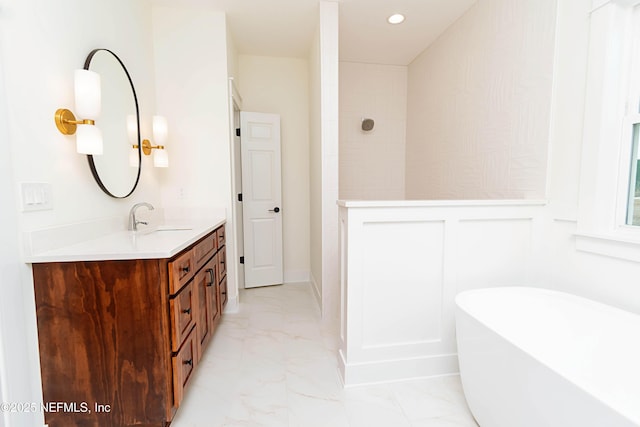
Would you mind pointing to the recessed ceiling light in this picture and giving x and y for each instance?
(396, 18)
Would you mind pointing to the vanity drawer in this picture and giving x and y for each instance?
(181, 270)
(205, 249)
(221, 236)
(183, 363)
(183, 315)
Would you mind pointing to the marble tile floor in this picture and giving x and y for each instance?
(274, 364)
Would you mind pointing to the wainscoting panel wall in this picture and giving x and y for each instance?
(403, 262)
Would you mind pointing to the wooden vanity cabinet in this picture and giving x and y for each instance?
(119, 340)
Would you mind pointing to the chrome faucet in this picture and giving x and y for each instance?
(133, 222)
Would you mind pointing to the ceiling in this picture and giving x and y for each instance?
(365, 35)
(286, 27)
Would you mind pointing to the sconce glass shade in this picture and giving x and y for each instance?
(134, 158)
(160, 130)
(161, 159)
(132, 129)
(88, 140)
(87, 94)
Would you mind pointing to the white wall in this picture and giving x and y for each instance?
(315, 168)
(329, 107)
(323, 159)
(372, 163)
(191, 86)
(190, 58)
(232, 57)
(281, 86)
(567, 110)
(41, 43)
(18, 377)
(604, 278)
(479, 105)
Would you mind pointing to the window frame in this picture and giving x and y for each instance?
(628, 170)
(612, 106)
(629, 121)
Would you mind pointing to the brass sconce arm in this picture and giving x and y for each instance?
(160, 156)
(147, 147)
(66, 122)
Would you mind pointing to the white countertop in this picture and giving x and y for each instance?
(162, 241)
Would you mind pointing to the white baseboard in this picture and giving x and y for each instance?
(297, 276)
(232, 305)
(384, 371)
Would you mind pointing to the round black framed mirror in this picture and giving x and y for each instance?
(117, 170)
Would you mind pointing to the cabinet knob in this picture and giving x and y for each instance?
(186, 269)
(187, 311)
(188, 362)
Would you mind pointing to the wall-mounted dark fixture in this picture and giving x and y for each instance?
(367, 124)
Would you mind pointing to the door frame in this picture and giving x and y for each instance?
(235, 106)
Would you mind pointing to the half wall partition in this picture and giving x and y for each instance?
(403, 262)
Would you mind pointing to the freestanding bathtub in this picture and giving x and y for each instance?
(539, 358)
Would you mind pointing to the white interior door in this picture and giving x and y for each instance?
(261, 198)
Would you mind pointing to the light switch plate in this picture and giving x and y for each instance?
(36, 196)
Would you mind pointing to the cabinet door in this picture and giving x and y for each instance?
(207, 301)
(222, 263)
(222, 294)
(215, 313)
(103, 332)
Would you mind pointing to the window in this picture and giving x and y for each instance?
(608, 215)
(631, 134)
(633, 201)
(611, 132)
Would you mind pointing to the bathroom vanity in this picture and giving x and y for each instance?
(124, 320)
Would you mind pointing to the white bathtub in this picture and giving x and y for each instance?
(536, 358)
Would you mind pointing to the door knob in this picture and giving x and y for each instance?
(276, 209)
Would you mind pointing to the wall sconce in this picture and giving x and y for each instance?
(160, 133)
(87, 97)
